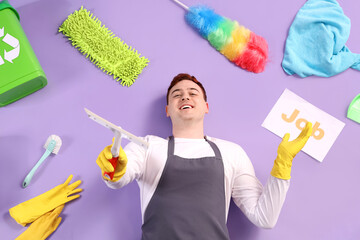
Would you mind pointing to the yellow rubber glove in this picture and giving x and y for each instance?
(105, 166)
(42, 227)
(287, 151)
(29, 211)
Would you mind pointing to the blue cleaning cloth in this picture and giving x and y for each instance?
(316, 41)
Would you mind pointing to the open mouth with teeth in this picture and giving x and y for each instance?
(186, 107)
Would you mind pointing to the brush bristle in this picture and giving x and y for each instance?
(237, 43)
(58, 142)
(203, 19)
(255, 55)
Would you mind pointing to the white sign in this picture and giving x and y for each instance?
(291, 113)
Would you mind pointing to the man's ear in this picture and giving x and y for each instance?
(207, 106)
(166, 110)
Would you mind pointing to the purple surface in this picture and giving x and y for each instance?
(323, 200)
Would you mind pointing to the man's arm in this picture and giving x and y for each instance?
(262, 205)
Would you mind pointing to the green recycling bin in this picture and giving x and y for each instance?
(20, 70)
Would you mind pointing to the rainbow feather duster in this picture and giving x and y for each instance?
(237, 43)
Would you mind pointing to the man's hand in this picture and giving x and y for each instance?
(105, 165)
(287, 151)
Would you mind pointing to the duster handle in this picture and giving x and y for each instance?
(181, 4)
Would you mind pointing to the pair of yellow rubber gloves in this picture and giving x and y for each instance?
(281, 169)
(43, 211)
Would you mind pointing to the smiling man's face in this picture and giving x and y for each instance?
(186, 102)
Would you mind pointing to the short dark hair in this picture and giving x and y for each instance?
(181, 77)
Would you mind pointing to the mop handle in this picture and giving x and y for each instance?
(181, 4)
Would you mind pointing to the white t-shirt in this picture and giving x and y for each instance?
(260, 204)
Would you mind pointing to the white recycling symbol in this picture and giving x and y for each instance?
(13, 42)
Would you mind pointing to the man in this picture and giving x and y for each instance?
(187, 181)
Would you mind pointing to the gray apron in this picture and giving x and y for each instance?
(189, 201)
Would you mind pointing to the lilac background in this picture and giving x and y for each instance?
(323, 200)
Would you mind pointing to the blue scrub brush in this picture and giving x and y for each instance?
(52, 145)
